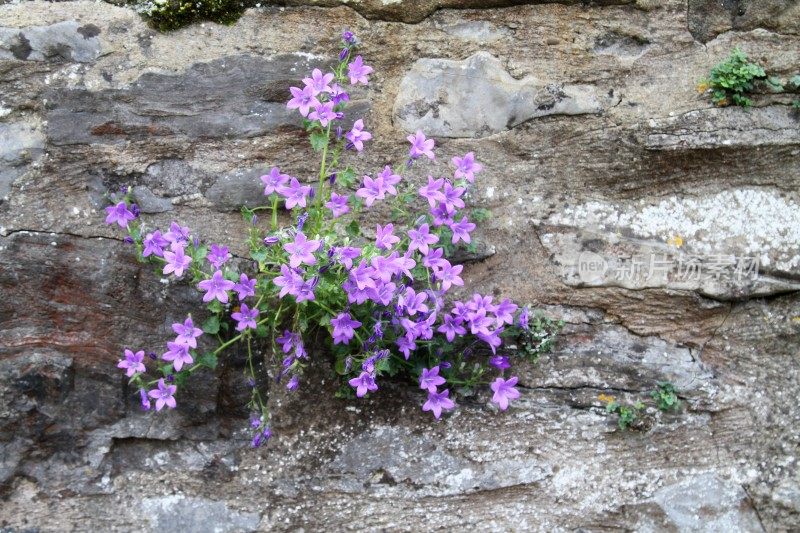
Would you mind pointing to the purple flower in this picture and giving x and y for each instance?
(344, 328)
(505, 312)
(338, 204)
(319, 82)
(449, 276)
(420, 146)
(442, 215)
(451, 327)
(303, 99)
(216, 288)
(294, 193)
(347, 254)
(289, 281)
(412, 301)
(187, 332)
(523, 318)
(120, 214)
(270, 240)
(420, 238)
(467, 167)
(246, 318)
(430, 380)
(434, 260)
(338, 96)
(438, 401)
(133, 362)
(358, 71)
(500, 362)
(324, 113)
(363, 383)
(163, 395)
(178, 353)
(492, 338)
(177, 261)
(372, 190)
(452, 196)
(144, 400)
(348, 37)
(406, 346)
(293, 383)
(177, 234)
(357, 135)
(461, 230)
(390, 179)
(385, 237)
(504, 391)
(287, 340)
(218, 255)
(273, 180)
(301, 250)
(246, 287)
(432, 191)
(154, 244)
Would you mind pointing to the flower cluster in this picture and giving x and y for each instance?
(383, 300)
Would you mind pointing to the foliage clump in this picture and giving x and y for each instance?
(733, 79)
(629, 415)
(167, 15)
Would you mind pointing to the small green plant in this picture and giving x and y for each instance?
(166, 15)
(540, 336)
(665, 396)
(733, 79)
(627, 413)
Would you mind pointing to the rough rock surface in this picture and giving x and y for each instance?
(628, 163)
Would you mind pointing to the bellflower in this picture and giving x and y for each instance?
(187, 332)
(451, 327)
(432, 191)
(344, 327)
(357, 135)
(178, 353)
(430, 380)
(420, 146)
(119, 214)
(421, 238)
(302, 99)
(177, 261)
(413, 302)
(301, 250)
(452, 196)
(338, 96)
(437, 402)
(246, 287)
(372, 190)
(290, 281)
(442, 215)
(319, 82)
(505, 312)
(273, 180)
(357, 71)
(524, 318)
(216, 288)
(324, 113)
(338, 204)
(385, 237)
(245, 318)
(144, 400)
(218, 255)
(163, 395)
(467, 167)
(449, 276)
(294, 193)
(133, 362)
(500, 362)
(154, 244)
(363, 384)
(389, 179)
(504, 391)
(461, 230)
(177, 234)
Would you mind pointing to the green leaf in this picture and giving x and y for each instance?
(319, 140)
(353, 229)
(215, 307)
(211, 325)
(209, 360)
(259, 255)
(480, 214)
(346, 178)
(775, 84)
(262, 331)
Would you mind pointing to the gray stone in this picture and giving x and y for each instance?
(21, 145)
(149, 202)
(478, 97)
(224, 98)
(725, 128)
(705, 502)
(179, 513)
(63, 41)
(232, 191)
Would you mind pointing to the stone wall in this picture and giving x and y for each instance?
(594, 141)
